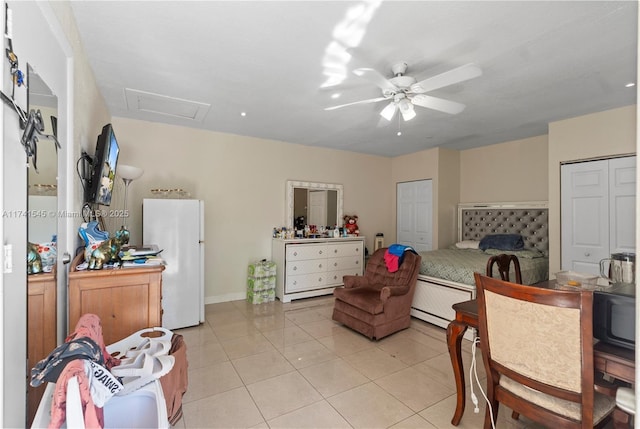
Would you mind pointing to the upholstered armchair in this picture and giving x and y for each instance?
(378, 303)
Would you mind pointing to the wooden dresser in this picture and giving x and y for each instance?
(41, 330)
(125, 299)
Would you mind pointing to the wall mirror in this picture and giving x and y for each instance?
(42, 204)
(318, 204)
(43, 183)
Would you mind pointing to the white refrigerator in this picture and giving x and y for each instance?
(177, 227)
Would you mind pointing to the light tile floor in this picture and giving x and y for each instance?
(289, 365)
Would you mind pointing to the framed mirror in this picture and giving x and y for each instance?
(313, 203)
(43, 182)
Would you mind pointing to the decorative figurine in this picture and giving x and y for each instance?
(34, 262)
(109, 250)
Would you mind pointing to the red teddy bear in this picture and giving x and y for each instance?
(351, 223)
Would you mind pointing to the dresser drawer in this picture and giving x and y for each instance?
(301, 252)
(348, 262)
(335, 277)
(345, 249)
(305, 282)
(306, 266)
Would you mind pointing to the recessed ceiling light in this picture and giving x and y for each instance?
(399, 133)
(243, 113)
(630, 85)
(336, 95)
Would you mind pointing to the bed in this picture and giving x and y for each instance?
(446, 275)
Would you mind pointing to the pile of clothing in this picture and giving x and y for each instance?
(394, 255)
(87, 375)
(82, 356)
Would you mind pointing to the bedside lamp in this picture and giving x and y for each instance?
(128, 174)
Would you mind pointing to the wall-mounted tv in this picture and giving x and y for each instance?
(104, 165)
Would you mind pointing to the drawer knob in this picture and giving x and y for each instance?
(357, 249)
(335, 264)
(320, 252)
(357, 262)
(319, 265)
(295, 282)
(295, 253)
(335, 250)
(587, 254)
(319, 279)
(295, 268)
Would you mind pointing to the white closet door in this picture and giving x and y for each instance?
(584, 208)
(414, 209)
(622, 202)
(597, 211)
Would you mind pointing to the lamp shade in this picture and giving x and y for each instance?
(406, 108)
(128, 172)
(389, 111)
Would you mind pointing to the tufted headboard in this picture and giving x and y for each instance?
(530, 219)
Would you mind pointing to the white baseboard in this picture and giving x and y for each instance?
(225, 298)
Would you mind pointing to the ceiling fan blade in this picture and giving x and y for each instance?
(370, 100)
(459, 74)
(376, 78)
(436, 103)
(389, 111)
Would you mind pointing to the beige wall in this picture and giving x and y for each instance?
(511, 171)
(598, 135)
(90, 109)
(448, 196)
(242, 182)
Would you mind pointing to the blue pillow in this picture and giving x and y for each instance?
(502, 242)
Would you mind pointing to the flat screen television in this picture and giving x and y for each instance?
(104, 164)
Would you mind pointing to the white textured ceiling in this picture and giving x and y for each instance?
(541, 62)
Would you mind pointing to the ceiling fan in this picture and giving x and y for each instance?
(404, 92)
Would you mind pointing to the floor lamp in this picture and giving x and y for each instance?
(128, 174)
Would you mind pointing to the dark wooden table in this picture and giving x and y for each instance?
(615, 361)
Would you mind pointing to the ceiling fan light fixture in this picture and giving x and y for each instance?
(389, 111)
(407, 110)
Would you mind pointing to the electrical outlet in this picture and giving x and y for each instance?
(8, 258)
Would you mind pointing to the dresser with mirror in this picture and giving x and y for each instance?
(307, 267)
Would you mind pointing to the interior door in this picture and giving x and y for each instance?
(598, 213)
(622, 202)
(318, 208)
(414, 208)
(584, 208)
